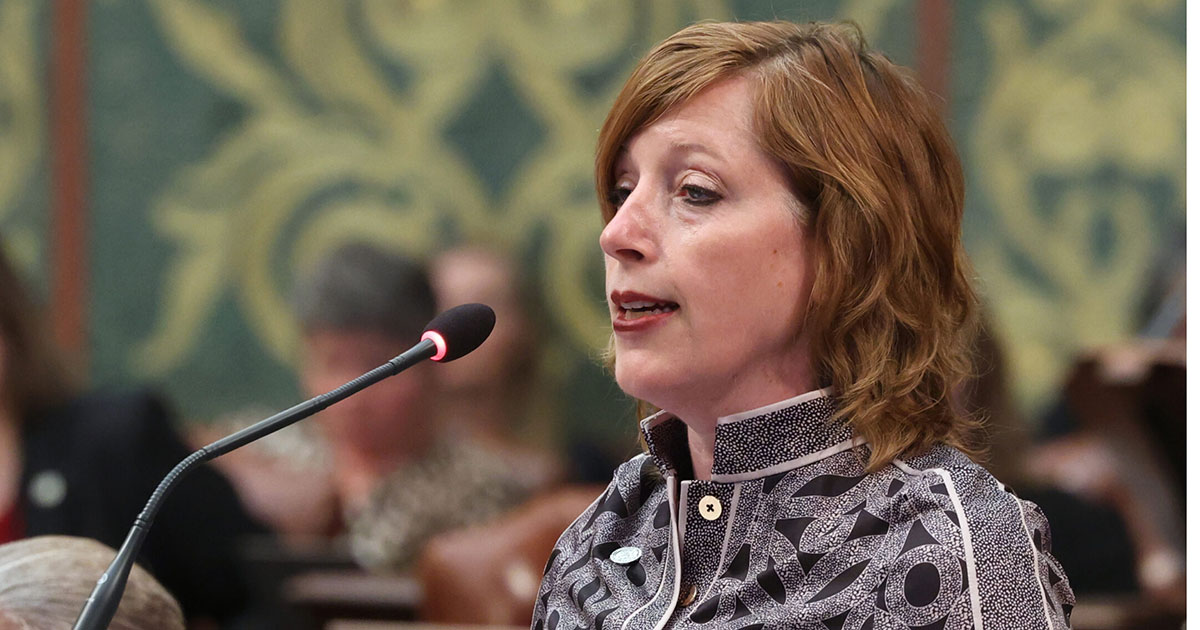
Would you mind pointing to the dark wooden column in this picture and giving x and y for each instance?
(68, 243)
(935, 25)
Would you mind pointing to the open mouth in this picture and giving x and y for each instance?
(638, 310)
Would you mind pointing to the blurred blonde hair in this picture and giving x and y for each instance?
(45, 580)
(880, 191)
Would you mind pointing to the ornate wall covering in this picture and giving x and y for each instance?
(1073, 134)
(231, 143)
(22, 134)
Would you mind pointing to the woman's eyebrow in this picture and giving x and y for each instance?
(675, 150)
(693, 147)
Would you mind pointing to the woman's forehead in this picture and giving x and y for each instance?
(714, 122)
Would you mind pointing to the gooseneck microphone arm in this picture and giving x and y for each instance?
(449, 336)
(106, 596)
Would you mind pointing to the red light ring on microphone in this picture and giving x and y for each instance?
(438, 341)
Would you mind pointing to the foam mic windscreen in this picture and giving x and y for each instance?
(460, 330)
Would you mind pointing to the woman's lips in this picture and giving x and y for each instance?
(638, 311)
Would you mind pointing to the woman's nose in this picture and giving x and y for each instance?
(627, 237)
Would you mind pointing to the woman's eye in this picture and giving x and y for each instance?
(618, 195)
(698, 196)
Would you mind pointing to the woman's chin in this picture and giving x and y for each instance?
(652, 386)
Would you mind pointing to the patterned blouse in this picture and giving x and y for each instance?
(792, 533)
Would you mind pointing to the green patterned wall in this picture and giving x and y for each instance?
(233, 142)
(1069, 115)
(24, 186)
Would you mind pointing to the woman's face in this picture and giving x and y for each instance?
(386, 420)
(707, 268)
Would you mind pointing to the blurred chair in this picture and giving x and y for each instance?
(325, 596)
(345, 624)
(489, 574)
(1130, 401)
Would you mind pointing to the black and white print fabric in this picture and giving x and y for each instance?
(790, 532)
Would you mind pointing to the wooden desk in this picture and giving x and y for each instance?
(1092, 613)
(339, 595)
(347, 624)
(1123, 612)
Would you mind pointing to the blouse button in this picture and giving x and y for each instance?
(710, 508)
(687, 595)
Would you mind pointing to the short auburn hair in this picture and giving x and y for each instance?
(880, 188)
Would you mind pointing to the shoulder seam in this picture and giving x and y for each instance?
(1037, 574)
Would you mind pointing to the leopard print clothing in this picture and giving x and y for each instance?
(791, 532)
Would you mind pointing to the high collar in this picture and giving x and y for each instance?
(759, 442)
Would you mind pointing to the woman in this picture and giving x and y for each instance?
(787, 284)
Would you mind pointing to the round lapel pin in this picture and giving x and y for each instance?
(625, 555)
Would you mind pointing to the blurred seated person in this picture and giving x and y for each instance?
(1091, 541)
(1097, 469)
(494, 400)
(284, 479)
(398, 480)
(84, 464)
(45, 580)
(1123, 411)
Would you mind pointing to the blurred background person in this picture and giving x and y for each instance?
(1115, 440)
(283, 479)
(44, 581)
(359, 307)
(85, 463)
(399, 478)
(1105, 462)
(1090, 539)
(495, 399)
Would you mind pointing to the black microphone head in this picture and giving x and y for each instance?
(460, 330)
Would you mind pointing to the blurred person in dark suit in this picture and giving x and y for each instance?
(84, 464)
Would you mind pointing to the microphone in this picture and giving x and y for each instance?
(467, 325)
(449, 336)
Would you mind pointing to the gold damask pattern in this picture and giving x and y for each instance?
(1078, 129)
(22, 125)
(1078, 124)
(326, 116)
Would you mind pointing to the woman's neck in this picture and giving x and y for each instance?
(701, 444)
